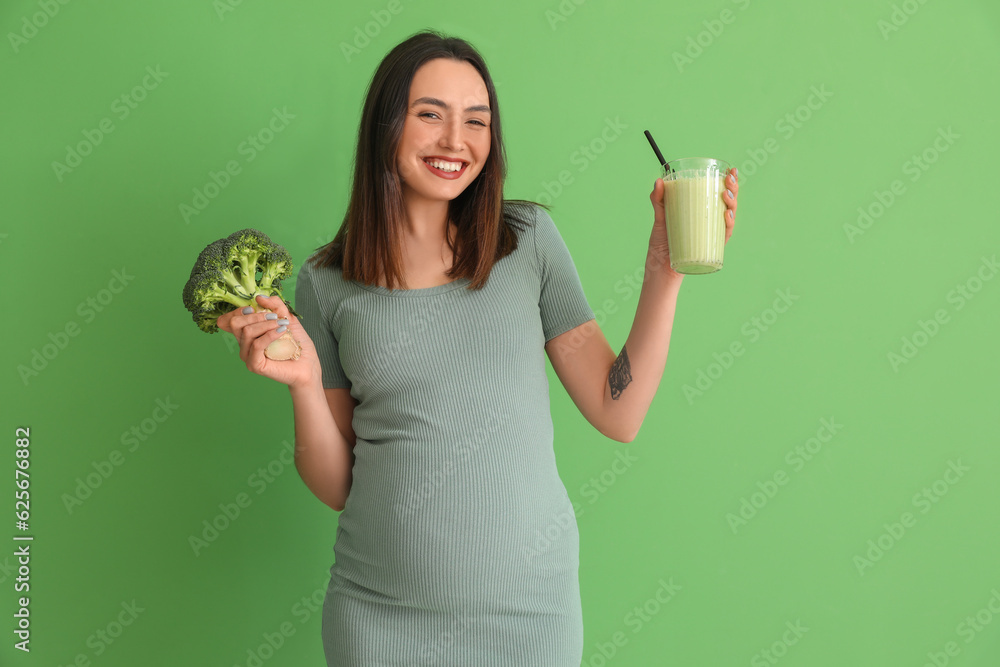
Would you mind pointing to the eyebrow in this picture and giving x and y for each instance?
(436, 102)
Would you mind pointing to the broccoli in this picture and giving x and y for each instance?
(230, 273)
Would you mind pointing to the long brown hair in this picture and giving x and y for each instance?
(367, 247)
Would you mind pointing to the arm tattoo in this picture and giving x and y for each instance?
(620, 376)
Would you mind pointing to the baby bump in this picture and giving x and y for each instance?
(443, 543)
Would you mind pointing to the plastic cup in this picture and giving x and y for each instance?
(695, 212)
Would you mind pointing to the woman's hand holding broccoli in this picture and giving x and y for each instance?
(235, 286)
(255, 333)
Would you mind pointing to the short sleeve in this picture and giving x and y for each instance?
(315, 320)
(561, 301)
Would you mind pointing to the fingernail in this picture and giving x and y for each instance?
(732, 179)
(729, 191)
(248, 310)
(281, 329)
(736, 172)
(270, 316)
(282, 321)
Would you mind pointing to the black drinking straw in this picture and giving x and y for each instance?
(656, 150)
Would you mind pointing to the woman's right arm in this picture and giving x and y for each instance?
(323, 456)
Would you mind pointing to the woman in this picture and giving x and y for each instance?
(421, 399)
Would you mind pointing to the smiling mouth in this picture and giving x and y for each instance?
(446, 168)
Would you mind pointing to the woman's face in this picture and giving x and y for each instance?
(446, 134)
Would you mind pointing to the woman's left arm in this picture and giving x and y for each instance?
(629, 385)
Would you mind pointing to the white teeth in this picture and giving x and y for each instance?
(444, 166)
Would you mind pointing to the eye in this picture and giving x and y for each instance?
(478, 122)
(427, 114)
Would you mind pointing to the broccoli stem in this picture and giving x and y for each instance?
(283, 349)
(233, 283)
(237, 301)
(248, 271)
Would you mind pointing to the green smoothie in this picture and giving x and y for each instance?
(696, 224)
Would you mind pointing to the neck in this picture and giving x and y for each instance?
(426, 222)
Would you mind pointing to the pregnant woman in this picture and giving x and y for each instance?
(421, 400)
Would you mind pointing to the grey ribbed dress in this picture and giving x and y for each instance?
(458, 543)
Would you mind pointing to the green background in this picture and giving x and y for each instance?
(563, 73)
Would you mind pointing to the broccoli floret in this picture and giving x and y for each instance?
(273, 263)
(231, 272)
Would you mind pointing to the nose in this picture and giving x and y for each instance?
(451, 135)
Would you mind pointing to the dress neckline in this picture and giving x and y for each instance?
(415, 292)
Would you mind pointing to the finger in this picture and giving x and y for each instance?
(256, 329)
(729, 196)
(732, 182)
(225, 321)
(235, 320)
(656, 196)
(274, 304)
(733, 187)
(238, 319)
(298, 332)
(294, 326)
(256, 361)
(252, 332)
